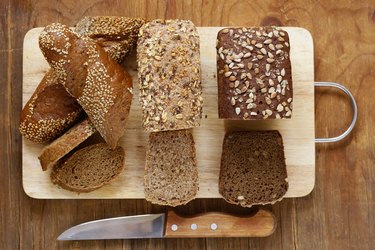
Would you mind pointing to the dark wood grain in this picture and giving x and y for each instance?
(338, 214)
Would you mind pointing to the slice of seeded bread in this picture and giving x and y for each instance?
(171, 176)
(89, 168)
(253, 169)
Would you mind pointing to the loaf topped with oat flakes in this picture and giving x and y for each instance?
(169, 75)
(254, 73)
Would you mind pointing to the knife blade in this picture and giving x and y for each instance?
(171, 225)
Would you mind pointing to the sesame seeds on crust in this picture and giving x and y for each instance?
(97, 96)
(97, 82)
(38, 122)
(117, 35)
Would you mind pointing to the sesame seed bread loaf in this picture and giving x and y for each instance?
(116, 35)
(51, 110)
(100, 85)
(171, 174)
(89, 168)
(169, 75)
(254, 73)
(253, 169)
(64, 144)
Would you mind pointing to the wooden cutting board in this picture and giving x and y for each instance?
(298, 132)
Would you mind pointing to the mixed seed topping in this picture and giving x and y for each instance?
(169, 75)
(254, 73)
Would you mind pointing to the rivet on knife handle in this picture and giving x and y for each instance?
(216, 224)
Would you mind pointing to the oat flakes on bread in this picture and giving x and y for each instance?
(100, 85)
(169, 75)
(253, 169)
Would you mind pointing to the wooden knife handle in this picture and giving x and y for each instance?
(216, 224)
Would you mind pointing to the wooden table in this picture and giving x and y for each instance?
(338, 214)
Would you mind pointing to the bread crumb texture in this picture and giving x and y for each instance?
(253, 170)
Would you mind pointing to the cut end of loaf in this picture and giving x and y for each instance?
(253, 169)
(171, 175)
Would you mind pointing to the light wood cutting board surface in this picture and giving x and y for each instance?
(298, 132)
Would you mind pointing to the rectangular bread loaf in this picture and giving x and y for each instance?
(254, 73)
(169, 75)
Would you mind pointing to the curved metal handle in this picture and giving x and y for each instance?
(354, 106)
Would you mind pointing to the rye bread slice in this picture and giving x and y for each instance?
(171, 175)
(89, 168)
(253, 169)
(65, 143)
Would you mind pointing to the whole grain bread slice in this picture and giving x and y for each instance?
(171, 174)
(89, 168)
(253, 169)
(64, 144)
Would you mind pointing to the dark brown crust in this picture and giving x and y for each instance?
(49, 111)
(240, 53)
(64, 144)
(117, 36)
(101, 86)
(56, 172)
(253, 166)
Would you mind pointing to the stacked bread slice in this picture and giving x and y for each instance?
(171, 99)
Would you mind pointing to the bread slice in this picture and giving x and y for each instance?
(253, 170)
(116, 35)
(65, 143)
(89, 168)
(171, 175)
(100, 85)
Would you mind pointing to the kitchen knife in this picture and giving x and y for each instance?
(171, 225)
